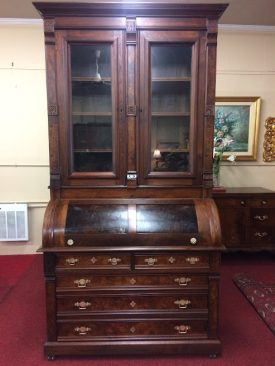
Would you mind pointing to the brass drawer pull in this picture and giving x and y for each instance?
(192, 260)
(132, 330)
(171, 260)
(114, 261)
(72, 261)
(264, 202)
(242, 203)
(182, 281)
(93, 260)
(82, 282)
(261, 217)
(182, 329)
(261, 235)
(150, 261)
(82, 330)
(82, 305)
(182, 303)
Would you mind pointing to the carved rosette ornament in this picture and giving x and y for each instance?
(52, 110)
(269, 140)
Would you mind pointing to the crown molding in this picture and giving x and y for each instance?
(222, 27)
(246, 28)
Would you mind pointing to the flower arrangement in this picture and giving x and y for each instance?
(222, 142)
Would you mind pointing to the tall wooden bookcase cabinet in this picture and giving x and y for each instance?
(131, 236)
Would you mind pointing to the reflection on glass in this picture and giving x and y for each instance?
(91, 108)
(170, 107)
(87, 218)
(166, 219)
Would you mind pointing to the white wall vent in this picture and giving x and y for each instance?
(14, 222)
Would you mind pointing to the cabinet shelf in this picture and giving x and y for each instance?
(172, 79)
(170, 114)
(104, 114)
(91, 78)
(93, 151)
(174, 150)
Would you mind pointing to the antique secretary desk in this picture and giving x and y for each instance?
(131, 236)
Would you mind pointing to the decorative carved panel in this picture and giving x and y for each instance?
(269, 140)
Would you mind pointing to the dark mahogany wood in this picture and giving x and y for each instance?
(247, 218)
(131, 249)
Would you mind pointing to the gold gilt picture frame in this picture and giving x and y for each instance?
(237, 122)
(269, 140)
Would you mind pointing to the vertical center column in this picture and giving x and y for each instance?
(131, 41)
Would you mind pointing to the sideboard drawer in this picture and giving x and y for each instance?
(133, 303)
(79, 330)
(261, 235)
(262, 202)
(89, 281)
(174, 261)
(262, 217)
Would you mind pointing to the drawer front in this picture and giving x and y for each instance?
(81, 330)
(97, 261)
(133, 303)
(175, 261)
(262, 217)
(261, 235)
(262, 202)
(86, 280)
(231, 202)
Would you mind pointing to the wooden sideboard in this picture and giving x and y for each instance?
(247, 218)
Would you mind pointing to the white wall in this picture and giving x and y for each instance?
(246, 67)
(24, 163)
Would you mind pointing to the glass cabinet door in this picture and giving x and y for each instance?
(168, 105)
(92, 120)
(90, 82)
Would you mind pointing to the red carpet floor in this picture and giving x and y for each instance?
(11, 269)
(246, 339)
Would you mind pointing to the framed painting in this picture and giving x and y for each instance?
(236, 126)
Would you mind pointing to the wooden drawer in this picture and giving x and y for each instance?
(89, 281)
(174, 261)
(84, 330)
(261, 235)
(133, 303)
(96, 261)
(262, 202)
(262, 217)
(231, 202)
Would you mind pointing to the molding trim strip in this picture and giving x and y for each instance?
(20, 21)
(222, 27)
(246, 28)
(246, 72)
(41, 204)
(24, 166)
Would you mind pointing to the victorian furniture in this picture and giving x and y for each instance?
(131, 236)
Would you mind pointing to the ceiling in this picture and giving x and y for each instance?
(247, 12)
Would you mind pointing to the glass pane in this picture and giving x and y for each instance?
(170, 107)
(92, 108)
(166, 219)
(89, 219)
